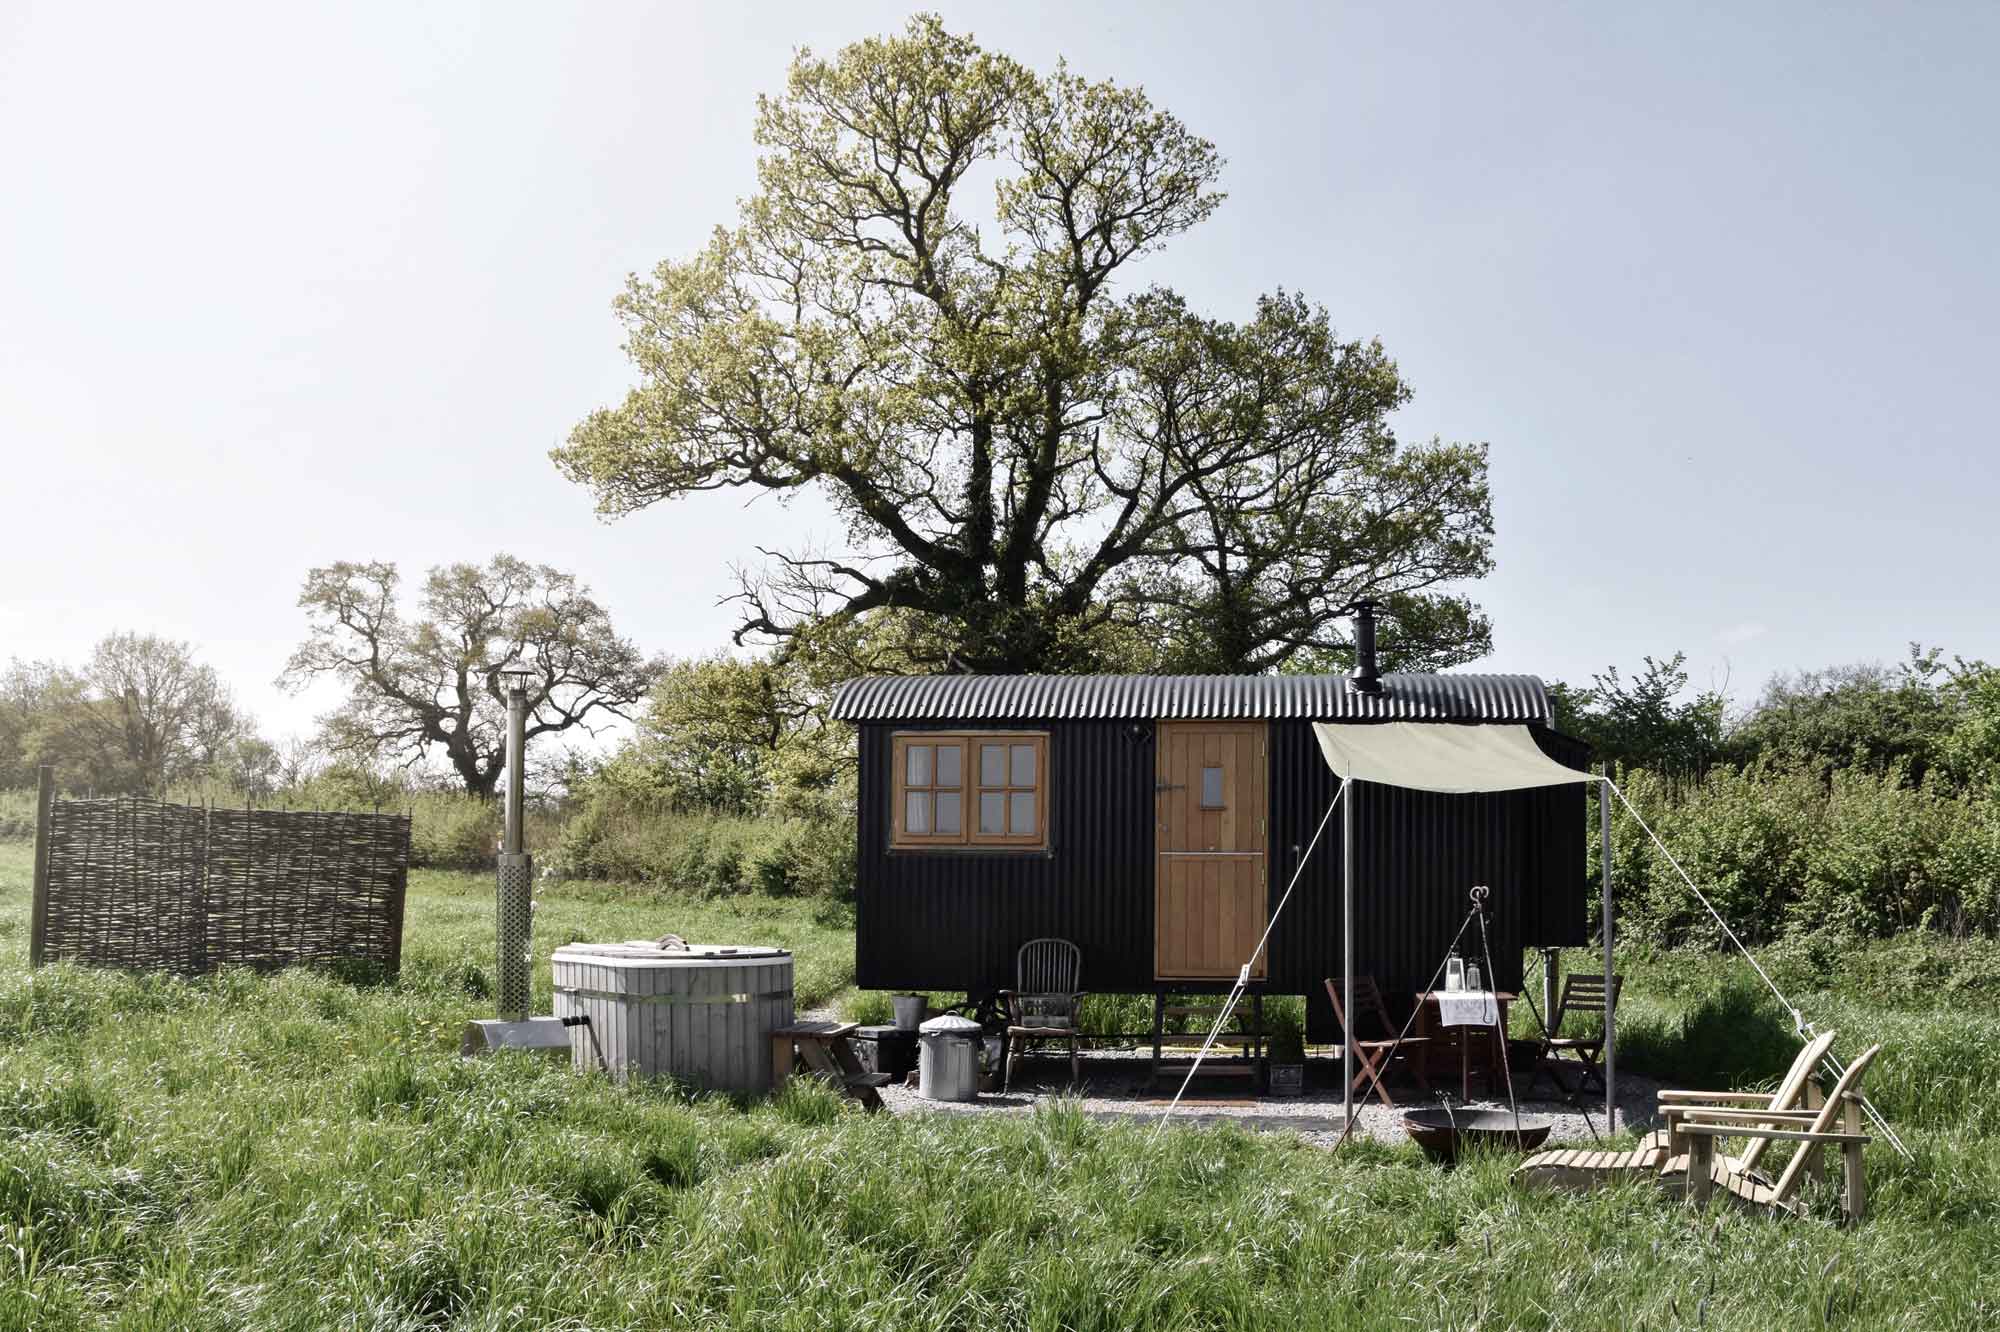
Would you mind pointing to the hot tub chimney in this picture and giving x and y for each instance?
(1367, 678)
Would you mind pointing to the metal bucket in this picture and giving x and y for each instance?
(948, 1064)
(909, 1009)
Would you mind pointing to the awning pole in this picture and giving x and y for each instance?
(1610, 978)
(1347, 950)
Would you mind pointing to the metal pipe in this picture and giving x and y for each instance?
(1347, 951)
(514, 891)
(1610, 977)
(517, 728)
(1367, 677)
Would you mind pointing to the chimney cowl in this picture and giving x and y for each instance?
(1367, 676)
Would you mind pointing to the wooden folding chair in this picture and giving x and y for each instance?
(1371, 1055)
(1581, 993)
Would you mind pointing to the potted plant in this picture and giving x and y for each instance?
(1285, 1053)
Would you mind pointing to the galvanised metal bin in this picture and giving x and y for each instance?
(948, 1063)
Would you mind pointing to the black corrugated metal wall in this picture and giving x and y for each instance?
(1417, 856)
(952, 920)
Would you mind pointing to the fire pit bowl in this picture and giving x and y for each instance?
(1443, 1133)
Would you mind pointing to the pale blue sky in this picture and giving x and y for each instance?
(283, 287)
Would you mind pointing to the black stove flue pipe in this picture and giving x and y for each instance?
(1367, 677)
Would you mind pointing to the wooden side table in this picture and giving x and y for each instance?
(1465, 1046)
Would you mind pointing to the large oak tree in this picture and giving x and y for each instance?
(1031, 461)
(432, 681)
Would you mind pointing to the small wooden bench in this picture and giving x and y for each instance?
(827, 1052)
(1249, 1035)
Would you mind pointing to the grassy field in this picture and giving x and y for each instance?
(293, 1152)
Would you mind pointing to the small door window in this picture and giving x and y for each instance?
(1211, 788)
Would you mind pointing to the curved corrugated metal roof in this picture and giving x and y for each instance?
(1440, 698)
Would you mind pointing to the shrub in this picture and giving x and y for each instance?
(612, 834)
(1857, 854)
(452, 830)
(17, 813)
(1287, 1035)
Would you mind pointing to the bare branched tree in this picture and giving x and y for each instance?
(432, 683)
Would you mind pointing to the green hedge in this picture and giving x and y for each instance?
(610, 836)
(1783, 854)
(601, 836)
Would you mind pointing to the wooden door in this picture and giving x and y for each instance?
(1209, 897)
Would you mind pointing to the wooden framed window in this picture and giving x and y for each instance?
(969, 789)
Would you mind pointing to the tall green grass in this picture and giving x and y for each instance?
(1705, 1020)
(298, 1152)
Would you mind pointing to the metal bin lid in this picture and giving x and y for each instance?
(951, 1024)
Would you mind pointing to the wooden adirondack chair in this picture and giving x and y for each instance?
(1372, 1055)
(1812, 1130)
(1664, 1154)
(1042, 1006)
(1799, 1089)
(1580, 994)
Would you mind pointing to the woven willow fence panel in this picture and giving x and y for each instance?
(149, 886)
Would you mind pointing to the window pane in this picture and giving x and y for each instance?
(947, 765)
(993, 765)
(992, 812)
(1024, 765)
(1023, 813)
(917, 812)
(919, 766)
(1211, 788)
(948, 812)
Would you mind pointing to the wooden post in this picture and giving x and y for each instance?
(781, 1061)
(1551, 971)
(38, 917)
(1701, 1166)
(1854, 1190)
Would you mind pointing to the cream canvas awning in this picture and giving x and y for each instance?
(1456, 760)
